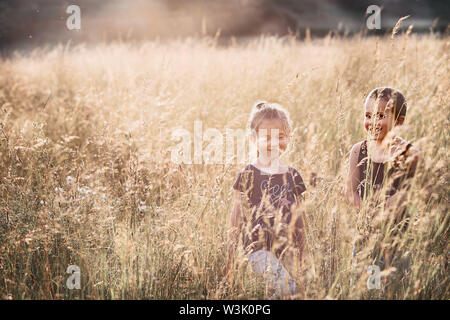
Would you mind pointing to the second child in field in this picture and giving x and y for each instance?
(382, 165)
(267, 191)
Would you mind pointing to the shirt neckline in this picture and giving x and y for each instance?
(269, 174)
(366, 152)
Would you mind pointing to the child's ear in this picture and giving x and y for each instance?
(400, 120)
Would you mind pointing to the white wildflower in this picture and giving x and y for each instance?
(70, 180)
(142, 208)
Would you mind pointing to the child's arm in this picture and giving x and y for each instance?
(299, 234)
(235, 218)
(353, 177)
(298, 216)
(233, 232)
(398, 199)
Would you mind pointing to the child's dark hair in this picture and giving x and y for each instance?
(395, 99)
(263, 110)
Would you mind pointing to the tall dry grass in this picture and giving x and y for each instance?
(86, 175)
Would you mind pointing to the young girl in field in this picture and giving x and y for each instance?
(266, 194)
(382, 165)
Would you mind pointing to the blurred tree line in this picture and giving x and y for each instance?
(35, 22)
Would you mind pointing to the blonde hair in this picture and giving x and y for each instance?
(262, 110)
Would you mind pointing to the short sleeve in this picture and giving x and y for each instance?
(299, 185)
(243, 179)
(238, 183)
(412, 159)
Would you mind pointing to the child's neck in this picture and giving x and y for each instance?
(271, 166)
(383, 150)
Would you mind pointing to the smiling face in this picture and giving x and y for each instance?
(269, 131)
(379, 118)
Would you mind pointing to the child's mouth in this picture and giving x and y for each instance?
(375, 131)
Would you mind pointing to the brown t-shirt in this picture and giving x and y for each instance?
(373, 175)
(270, 197)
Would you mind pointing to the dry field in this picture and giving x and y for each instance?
(86, 176)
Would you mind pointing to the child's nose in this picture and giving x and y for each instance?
(274, 142)
(375, 120)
